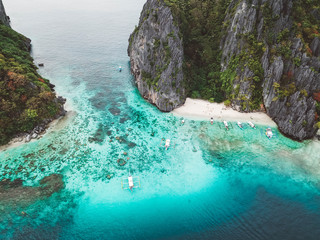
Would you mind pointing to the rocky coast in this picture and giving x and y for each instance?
(264, 55)
(28, 102)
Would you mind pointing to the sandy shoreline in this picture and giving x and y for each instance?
(56, 124)
(198, 109)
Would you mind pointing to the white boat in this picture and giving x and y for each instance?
(120, 68)
(167, 145)
(130, 182)
(251, 125)
(226, 125)
(240, 125)
(269, 133)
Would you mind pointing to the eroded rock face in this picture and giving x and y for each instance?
(3, 17)
(288, 81)
(156, 57)
(267, 64)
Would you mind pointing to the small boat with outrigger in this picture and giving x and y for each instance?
(130, 182)
(240, 125)
(269, 133)
(251, 125)
(167, 143)
(226, 125)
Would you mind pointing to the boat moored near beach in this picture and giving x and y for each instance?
(226, 124)
(240, 125)
(269, 133)
(251, 124)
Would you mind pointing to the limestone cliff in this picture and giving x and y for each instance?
(267, 59)
(3, 16)
(270, 56)
(156, 57)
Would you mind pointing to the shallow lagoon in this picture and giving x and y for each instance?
(211, 184)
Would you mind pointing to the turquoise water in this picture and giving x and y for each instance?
(211, 184)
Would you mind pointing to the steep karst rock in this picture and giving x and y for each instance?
(156, 57)
(255, 54)
(3, 16)
(263, 48)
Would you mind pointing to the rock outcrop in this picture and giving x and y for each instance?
(269, 57)
(156, 57)
(15, 193)
(3, 16)
(274, 62)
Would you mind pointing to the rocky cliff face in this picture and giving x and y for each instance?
(268, 59)
(156, 57)
(3, 17)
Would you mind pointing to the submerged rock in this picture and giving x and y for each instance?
(115, 111)
(131, 144)
(121, 162)
(14, 193)
(51, 184)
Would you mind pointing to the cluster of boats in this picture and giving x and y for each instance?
(240, 125)
(269, 132)
(135, 182)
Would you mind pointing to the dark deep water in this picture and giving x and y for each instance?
(212, 185)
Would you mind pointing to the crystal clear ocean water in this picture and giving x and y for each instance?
(210, 184)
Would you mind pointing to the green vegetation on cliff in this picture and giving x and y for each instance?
(306, 16)
(252, 55)
(25, 97)
(202, 24)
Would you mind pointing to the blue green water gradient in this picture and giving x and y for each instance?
(210, 184)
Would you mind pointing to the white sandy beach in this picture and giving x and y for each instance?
(198, 109)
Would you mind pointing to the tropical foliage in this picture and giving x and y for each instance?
(25, 97)
(201, 23)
